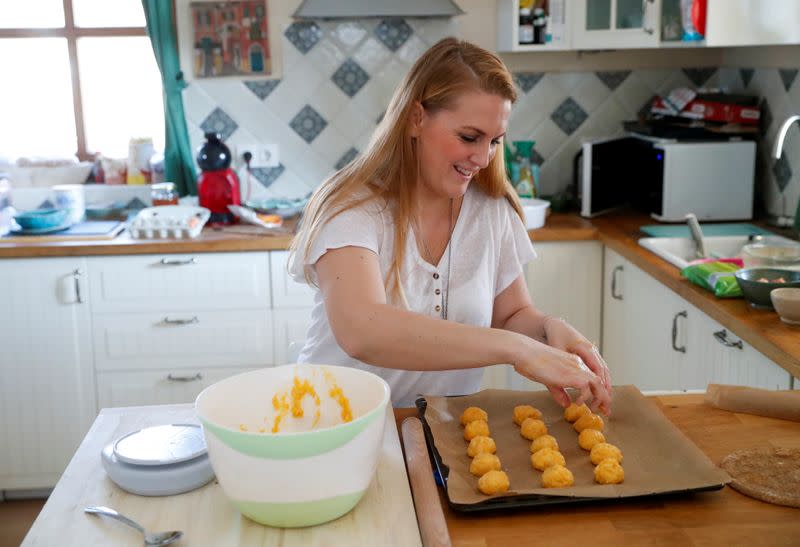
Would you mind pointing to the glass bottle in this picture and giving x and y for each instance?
(164, 193)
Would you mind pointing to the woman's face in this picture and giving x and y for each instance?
(455, 143)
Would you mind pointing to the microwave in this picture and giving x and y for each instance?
(666, 178)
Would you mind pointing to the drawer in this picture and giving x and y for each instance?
(179, 282)
(185, 339)
(286, 292)
(157, 387)
(291, 327)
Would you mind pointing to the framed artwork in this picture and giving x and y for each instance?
(230, 39)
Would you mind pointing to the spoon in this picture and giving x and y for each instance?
(161, 538)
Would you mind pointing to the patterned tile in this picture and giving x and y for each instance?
(527, 80)
(267, 175)
(699, 76)
(568, 116)
(747, 75)
(350, 77)
(348, 34)
(308, 123)
(303, 35)
(787, 77)
(393, 33)
(614, 78)
(766, 117)
(782, 170)
(346, 158)
(219, 122)
(262, 88)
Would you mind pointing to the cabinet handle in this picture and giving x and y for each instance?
(722, 338)
(178, 261)
(76, 277)
(681, 349)
(614, 282)
(194, 378)
(645, 12)
(191, 321)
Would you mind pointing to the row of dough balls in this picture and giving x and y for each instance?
(545, 455)
(605, 456)
(485, 464)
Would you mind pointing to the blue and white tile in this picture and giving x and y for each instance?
(788, 77)
(411, 50)
(290, 55)
(434, 29)
(261, 88)
(349, 155)
(569, 81)
(350, 77)
(770, 84)
(632, 94)
(352, 121)
(548, 137)
(312, 169)
(304, 79)
(372, 100)
(348, 35)
(676, 79)
(290, 185)
(326, 57)
(219, 122)
(362, 141)
(391, 74)
(197, 105)
(303, 35)
(654, 78)
(569, 116)
(531, 109)
(329, 100)
(701, 77)
(590, 93)
(612, 78)
(556, 172)
(331, 144)
(371, 55)
(308, 123)
(286, 101)
(606, 121)
(393, 32)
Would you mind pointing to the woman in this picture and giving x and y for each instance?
(417, 247)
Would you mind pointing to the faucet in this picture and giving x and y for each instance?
(697, 235)
(779, 150)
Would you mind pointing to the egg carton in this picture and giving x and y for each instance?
(169, 221)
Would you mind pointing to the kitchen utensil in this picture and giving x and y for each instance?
(42, 219)
(771, 255)
(783, 405)
(218, 185)
(758, 283)
(535, 211)
(787, 303)
(158, 538)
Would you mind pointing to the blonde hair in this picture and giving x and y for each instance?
(388, 169)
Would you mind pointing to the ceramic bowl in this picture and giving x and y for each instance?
(787, 304)
(535, 211)
(41, 219)
(313, 469)
(758, 283)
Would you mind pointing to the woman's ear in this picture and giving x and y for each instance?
(416, 120)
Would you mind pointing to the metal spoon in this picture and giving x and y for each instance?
(161, 538)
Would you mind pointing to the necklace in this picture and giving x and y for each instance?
(446, 298)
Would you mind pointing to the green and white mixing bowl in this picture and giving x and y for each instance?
(315, 468)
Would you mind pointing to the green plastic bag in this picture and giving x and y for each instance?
(716, 276)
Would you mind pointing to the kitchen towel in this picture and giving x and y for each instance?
(719, 229)
(784, 405)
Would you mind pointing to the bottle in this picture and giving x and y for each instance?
(525, 186)
(539, 25)
(525, 26)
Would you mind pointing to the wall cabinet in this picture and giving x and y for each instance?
(752, 22)
(613, 24)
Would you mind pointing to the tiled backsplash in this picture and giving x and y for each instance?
(339, 76)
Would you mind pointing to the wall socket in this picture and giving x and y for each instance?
(264, 155)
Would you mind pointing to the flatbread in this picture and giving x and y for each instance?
(768, 474)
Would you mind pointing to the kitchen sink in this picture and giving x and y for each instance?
(679, 251)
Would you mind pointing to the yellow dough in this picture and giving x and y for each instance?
(605, 451)
(609, 472)
(546, 457)
(473, 413)
(545, 441)
(493, 482)
(532, 428)
(590, 437)
(573, 412)
(589, 421)
(475, 428)
(557, 476)
(480, 445)
(525, 411)
(483, 463)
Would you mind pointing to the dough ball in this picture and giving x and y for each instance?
(547, 457)
(590, 437)
(483, 463)
(473, 413)
(609, 472)
(532, 428)
(493, 482)
(557, 476)
(475, 428)
(525, 411)
(589, 421)
(481, 445)
(573, 412)
(605, 451)
(545, 441)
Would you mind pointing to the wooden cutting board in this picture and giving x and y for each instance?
(384, 516)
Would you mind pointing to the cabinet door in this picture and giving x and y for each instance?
(46, 376)
(286, 292)
(752, 22)
(612, 24)
(291, 326)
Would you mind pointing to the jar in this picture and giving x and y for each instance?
(164, 193)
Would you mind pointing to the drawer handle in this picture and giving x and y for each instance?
(722, 338)
(193, 378)
(76, 277)
(614, 283)
(191, 321)
(178, 261)
(675, 346)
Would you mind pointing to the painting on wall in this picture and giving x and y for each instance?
(230, 39)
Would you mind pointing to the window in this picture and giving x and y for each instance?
(80, 79)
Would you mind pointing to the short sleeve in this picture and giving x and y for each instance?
(356, 227)
(515, 251)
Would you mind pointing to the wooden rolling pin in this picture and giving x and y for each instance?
(432, 526)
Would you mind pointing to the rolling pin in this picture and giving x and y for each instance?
(432, 526)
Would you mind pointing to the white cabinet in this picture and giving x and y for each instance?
(612, 24)
(752, 22)
(292, 303)
(508, 27)
(47, 399)
(286, 292)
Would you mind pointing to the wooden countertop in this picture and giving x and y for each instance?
(723, 517)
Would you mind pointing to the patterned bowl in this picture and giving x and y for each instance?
(315, 467)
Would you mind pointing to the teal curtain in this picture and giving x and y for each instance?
(178, 160)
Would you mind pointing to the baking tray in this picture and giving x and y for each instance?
(702, 474)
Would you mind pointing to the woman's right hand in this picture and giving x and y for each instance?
(558, 370)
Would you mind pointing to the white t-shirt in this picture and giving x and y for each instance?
(489, 248)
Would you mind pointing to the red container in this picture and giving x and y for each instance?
(216, 190)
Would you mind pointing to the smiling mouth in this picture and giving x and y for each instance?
(464, 173)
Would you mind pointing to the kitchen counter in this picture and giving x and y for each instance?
(723, 517)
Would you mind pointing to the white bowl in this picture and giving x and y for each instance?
(535, 212)
(313, 469)
(787, 303)
(41, 177)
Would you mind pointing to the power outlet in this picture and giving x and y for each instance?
(264, 155)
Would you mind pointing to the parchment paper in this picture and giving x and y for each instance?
(658, 458)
